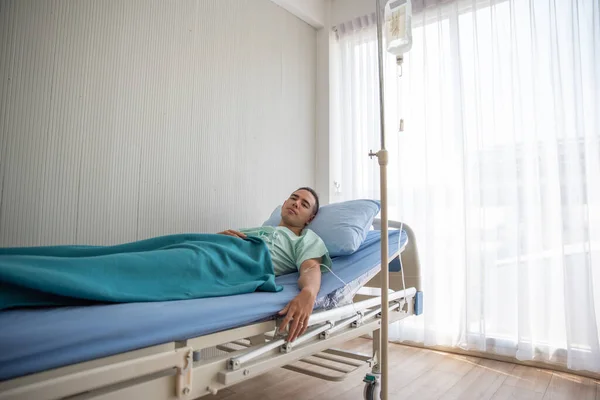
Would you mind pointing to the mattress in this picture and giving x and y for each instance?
(35, 340)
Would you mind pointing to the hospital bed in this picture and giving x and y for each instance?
(194, 348)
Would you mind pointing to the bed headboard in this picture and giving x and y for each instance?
(409, 257)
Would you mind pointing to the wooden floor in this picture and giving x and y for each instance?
(424, 374)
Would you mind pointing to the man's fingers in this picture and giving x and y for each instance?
(304, 327)
(298, 327)
(297, 320)
(231, 232)
(294, 329)
(285, 310)
(285, 321)
(291, 318)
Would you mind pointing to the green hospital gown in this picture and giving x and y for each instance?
(289, 251)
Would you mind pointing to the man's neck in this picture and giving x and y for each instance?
(294, 229)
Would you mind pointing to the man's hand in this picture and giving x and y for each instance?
(231, 232)
(298, 311)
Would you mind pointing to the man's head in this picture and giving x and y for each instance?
(300, 208)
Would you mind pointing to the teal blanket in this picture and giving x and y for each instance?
(173, 267)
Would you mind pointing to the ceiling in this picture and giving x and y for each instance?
(310, 11)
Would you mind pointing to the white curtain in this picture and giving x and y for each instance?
(497, 169)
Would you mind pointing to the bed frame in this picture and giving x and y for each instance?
(186, 369)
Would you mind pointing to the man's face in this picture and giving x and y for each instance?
(298, 209)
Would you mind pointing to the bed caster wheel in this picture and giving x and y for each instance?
(372, 387)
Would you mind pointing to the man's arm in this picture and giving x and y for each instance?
(300, 308)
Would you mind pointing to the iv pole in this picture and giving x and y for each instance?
(382, 156)
(380, 385)
(398, 49)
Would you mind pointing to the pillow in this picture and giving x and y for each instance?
(342, 226)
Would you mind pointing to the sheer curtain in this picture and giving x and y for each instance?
(497, 169)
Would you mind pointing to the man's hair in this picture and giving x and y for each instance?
(315, 195)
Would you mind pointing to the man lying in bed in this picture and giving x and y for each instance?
(293, 248)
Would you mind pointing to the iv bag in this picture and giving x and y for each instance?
(398, 33)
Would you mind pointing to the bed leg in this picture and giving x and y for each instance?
(372, 380)
(376, 347)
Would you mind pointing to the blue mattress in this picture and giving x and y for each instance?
(35, 340)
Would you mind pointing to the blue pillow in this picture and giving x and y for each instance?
(342, 226)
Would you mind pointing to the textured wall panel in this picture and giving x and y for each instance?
(122, 120)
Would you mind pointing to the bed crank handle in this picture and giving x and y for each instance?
(184, 376)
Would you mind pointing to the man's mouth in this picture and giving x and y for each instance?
(291, 210)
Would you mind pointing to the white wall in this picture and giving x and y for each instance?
(317, 14)
(121, 120)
